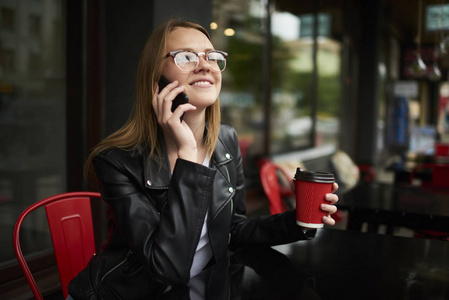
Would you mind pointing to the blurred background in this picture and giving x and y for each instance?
(368, 77)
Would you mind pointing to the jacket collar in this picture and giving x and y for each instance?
(157, 169)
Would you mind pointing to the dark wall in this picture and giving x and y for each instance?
(350, 76)
(368, 100)
(127, 25)
(199, 11)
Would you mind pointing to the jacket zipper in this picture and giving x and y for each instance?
(118, 265)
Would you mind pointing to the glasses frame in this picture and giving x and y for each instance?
(205, 54)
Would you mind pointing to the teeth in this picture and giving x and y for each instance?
(202, 83)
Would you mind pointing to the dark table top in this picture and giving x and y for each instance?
(354, 265)
(336, 264)
(401, 205)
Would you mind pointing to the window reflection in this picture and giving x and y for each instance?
(305, 96)
(329, 69)
(296, 93)
(292, 77)
(237, 28)
(32, 117)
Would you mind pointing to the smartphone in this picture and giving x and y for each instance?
(179, 99)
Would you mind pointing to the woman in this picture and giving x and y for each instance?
(173, 181)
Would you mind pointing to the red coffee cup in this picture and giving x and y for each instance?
(310, 188)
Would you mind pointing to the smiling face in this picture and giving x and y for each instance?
(202, 84)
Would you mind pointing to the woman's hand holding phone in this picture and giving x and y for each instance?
(169, 117)
(181, 98)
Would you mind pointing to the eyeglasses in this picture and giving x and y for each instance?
(188, 60)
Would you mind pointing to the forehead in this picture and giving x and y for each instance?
(188, 38)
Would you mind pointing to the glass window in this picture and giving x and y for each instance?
(292, 70)
(328, 102)
(295, 94)
(32, 119)
(238, 28)
(35, 25)
(304, 76)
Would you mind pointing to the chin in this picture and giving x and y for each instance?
(203, 101)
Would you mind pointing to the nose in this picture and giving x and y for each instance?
(203, 64)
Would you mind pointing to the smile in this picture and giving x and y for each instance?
(202, 83)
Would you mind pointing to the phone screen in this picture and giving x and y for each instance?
(179, 99)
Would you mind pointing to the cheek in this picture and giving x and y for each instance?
(171, 72)
(219, 82)
(218, 88)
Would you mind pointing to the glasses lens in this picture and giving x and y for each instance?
(186, 61)
(216, 60)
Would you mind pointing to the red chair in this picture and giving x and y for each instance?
(441, 149)
(69, 218)
(275, 192)
(439, 174)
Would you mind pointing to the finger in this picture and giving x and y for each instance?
(174, 92)
(331, 209)
(164, 101)
(177, 115)
(332, 198)
(328, 220)
(161, 94)
(183, 108)
(167, 103)
(168, 88)
(158, 100)
(334, 187)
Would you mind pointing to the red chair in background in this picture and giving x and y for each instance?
(271, 176)
(441, 150)
(277, 185)
(69, 218)
(439, 174)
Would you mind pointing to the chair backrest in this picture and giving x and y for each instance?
(69, 218)
(269, 173)
(346, 172)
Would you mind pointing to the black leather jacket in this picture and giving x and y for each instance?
(158, 215)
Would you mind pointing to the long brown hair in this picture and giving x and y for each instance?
(141, 129)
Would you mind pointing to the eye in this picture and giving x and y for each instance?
(185, 57)
(215, 56)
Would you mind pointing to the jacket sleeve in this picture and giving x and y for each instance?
(264, 230)
(165, 240)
